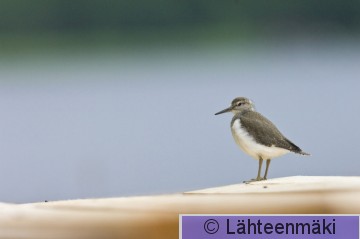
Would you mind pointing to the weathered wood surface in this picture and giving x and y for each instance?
(157, 216)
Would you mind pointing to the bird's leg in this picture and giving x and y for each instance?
(258, 178)
(267, 168)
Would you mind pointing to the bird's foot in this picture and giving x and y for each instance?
(254, 180)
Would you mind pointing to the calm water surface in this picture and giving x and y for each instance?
(108, 124)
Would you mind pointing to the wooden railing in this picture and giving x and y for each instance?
(157, 216)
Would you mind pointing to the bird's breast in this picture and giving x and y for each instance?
(248, 144)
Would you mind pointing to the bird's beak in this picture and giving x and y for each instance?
(224, 111)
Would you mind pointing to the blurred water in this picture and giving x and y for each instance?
(107, 124)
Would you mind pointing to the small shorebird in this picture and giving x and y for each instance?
(257, 136)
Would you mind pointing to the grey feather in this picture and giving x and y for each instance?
(264, 131)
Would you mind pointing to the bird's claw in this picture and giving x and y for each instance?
(255, 180)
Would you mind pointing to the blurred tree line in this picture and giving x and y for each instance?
(22, 16)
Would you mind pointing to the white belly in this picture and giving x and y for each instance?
(249, 145)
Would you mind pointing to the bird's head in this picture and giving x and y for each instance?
(238, 105)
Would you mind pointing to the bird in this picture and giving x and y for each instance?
(257, 136)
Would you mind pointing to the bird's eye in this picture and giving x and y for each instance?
(239, 104)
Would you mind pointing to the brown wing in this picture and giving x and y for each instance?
(265, 132)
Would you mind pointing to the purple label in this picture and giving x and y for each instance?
(268, 227)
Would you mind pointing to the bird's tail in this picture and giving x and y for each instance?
(296, 149)
(303, 153)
